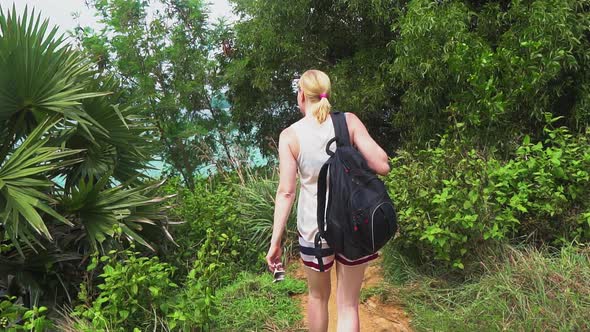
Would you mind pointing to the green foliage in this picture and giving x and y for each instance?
(275, 42)
(15, 317)
(412, 70)
(72, 154)
(170, 60)
(228, 223)
(22, 185)
(41, 75)
(254, 303)
(120, 141)
(195, 305)
(210, 232)
(442, 209)
(522, 289)
(548, 184)
(133, 290)
(255, 206)
(137, 292)
(226, 229)
(490, 70)
(452, 200)
(101, 210)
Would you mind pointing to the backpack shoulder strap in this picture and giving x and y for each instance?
(321, 216)
(340, 128)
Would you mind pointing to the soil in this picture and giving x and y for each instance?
(375, 315)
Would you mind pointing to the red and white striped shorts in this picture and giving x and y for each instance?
(307, 252)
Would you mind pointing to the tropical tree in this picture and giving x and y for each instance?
(171, 60)
(485, 71)
(73, 156)
(489, 70)
(275, 42)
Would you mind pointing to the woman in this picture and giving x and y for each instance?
(302, 149)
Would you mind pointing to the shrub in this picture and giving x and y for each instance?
(255, 206)
(133, 294)
(16, 317)
(451, 200)
(195, 304)
(209, 214)
(234, 218)
(493, 67)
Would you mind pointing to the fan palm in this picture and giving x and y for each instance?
(102, 211)
(44, 78)
(125, 148)
(41, 76)
(72, 154)
(23, 185)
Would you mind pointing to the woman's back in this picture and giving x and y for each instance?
(312, 138)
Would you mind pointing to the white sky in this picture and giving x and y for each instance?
(60, 12)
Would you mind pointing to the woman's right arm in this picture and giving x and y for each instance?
(285, 193)
(375, 156)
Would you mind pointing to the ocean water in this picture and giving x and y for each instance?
(255, 159)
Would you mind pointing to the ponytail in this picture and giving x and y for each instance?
(316, 87)
(321, 109)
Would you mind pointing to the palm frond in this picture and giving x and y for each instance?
(41, 75)
(126, 148)
(101, 210)
(23, 183)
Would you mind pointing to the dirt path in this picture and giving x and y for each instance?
(374, 315)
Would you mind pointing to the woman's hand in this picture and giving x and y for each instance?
(274, 256)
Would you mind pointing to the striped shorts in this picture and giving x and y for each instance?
(307, 252)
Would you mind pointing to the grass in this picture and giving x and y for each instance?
(381, 291)
(255, 303)
(521, 289)
(256, 211)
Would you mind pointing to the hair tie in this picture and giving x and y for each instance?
(323, 95)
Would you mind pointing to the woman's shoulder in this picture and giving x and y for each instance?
(351, 117)
(290, 133)
(352, 121)
(289, 137)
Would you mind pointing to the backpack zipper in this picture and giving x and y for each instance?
(346, 166)
(373, 223)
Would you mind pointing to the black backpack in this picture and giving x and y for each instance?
(359, 217)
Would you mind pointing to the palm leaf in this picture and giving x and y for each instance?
(125, 149)
(22, 182)
(100, 210)
(41, 75)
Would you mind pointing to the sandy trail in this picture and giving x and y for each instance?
(374, 315)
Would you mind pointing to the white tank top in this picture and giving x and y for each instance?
(312, 137)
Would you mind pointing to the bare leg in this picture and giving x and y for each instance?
(317, 305)
(350, 280)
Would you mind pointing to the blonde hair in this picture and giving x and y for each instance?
(316, 86)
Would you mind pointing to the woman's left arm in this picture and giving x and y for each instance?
(285, 193)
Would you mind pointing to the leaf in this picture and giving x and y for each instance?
(121, 117)
(526, 140)
(154, 290)
(123, 314)
(467, 205)
(134, 289)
